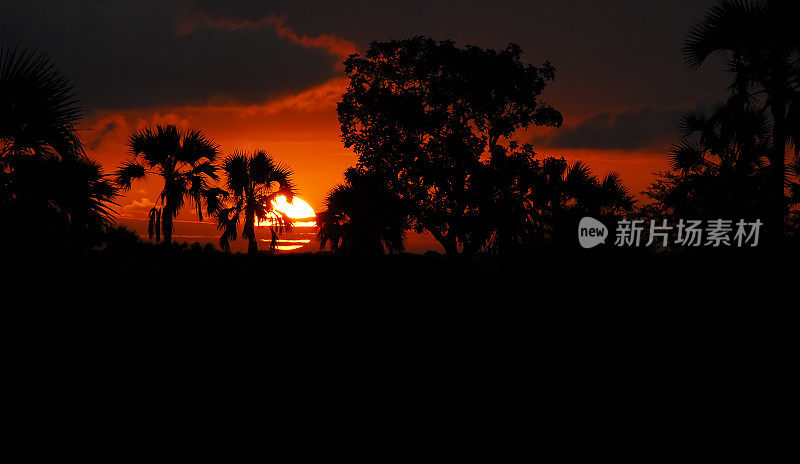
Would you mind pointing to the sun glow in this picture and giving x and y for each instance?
(302, 215)
(296, 209)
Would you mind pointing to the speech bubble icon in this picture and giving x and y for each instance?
(591, 232)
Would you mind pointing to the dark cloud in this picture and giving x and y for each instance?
(610, 53)
(638, 129)
(133, 54)
(98, 138)
(614, 53)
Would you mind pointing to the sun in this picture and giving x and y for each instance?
(298, 210)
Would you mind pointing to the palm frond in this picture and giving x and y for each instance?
(794, 166)
(214, 198)
(206, 168)
(128, 172)
(261, 166)
(227, 222)
(685, 156)
(39, 105)
(196, 147)
(143, 142)
(793, 119)
(237, 174)
(692, 122)
(616, 193)
(721, 30)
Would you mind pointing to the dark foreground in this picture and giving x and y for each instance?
(611, 265)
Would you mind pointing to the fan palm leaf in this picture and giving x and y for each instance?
(185, 162)
(254, 181)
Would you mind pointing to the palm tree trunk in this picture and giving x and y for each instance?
(166, 225)
(249, 226)
(166, 211)
(252, 247)
(777, 170)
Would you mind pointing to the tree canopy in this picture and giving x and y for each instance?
(436, 120)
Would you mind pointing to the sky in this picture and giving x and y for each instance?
(267, 74)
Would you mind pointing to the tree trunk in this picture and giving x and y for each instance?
(777, 171)
(166, 226)
(249, 225)
(447, 241)
(468, 251)
(451, 247)
(252, 247)
(167, 210)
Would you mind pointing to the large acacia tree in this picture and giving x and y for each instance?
(436, 122)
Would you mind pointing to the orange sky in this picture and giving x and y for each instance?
(254, 74)
(301, 130)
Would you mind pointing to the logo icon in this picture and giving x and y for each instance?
(591, 232)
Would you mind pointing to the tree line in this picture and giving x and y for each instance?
(54, 198)
(434, 127)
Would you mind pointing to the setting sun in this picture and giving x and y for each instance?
(301, 213)
(296, 209)
(653, 135)
(303, 217)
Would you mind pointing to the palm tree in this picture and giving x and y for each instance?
(253, 182)
(185, 160)
(762, 41)
(39, 109)
(719, 168)
(363, 218)
(561, 193)
(86, 195)
(734, 137)
(794, 193)
(48, 187)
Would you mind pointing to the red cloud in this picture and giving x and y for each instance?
(336, 46)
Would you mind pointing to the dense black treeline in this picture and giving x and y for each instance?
(434, 128)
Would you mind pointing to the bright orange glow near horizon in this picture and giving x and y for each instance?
(301, 131)
(301, 212)
(295, 209)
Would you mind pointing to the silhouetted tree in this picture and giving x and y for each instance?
(762, 41)
(719, 169)
(48, 187)
(362, 217)
(253, 182)
(185, 160)
(794, 195)
(562, 194)
(432, 119)
(38, 107)
(541, 200)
